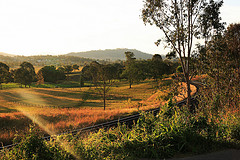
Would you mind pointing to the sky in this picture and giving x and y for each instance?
(40, 27)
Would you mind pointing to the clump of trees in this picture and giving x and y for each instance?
(51, 74)
(24, 75)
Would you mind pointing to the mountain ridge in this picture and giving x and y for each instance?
(111, 54)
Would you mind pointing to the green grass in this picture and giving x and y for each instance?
(10, 85)
(65, 84)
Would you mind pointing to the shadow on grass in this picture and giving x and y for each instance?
(58, 93)
(10, 96)
(14, 123)
(6, 110)
(123, 98)
(57, 118)
(89, 104)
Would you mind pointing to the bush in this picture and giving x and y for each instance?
(33, 146)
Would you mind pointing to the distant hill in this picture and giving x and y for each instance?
(110, 54)
(6, 54)
(44, 60)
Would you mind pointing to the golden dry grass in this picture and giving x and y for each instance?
(56, 110)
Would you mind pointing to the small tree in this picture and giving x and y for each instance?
(101, 79)
(135, 71)
(157, 67)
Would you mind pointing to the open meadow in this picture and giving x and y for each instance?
(56, 110)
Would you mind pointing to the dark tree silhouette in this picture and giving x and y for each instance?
(4, 74)
(25, 74)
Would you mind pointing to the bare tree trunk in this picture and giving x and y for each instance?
(104, 95)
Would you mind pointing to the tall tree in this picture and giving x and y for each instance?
(157, 67)
(4, 74)
(180, 21)
(134, 70)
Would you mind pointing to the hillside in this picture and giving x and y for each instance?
(6, 54)
(110, 54)
(44, 60)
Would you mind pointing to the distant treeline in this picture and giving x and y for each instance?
(45, 60)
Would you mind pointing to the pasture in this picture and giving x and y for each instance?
(60, 109)
(56, 110)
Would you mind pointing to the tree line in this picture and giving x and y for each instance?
(26, 74)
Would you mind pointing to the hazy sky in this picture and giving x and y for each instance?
(33, 27)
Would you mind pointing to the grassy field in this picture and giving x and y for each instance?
(59, 109)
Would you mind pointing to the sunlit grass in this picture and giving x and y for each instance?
(56, 110)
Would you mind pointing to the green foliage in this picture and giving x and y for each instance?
(51, 74)
(4, 73)
(32, 146)
(236, 132)
(135, 71)
(182, 22)
(157, 67)
(158, 136)
(179, 69)
(25, 74)
(68, 68)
